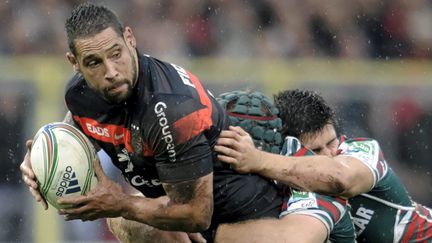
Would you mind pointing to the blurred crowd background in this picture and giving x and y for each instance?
(244, 28)
(370, 58)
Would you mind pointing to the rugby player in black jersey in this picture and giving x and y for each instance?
(158, 124)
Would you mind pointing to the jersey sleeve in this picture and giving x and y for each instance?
(333, 212)
(329, 210)
(176, 138)
(293, 147)
(367, 151)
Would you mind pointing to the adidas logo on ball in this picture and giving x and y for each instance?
(62, 159)
(68, 183)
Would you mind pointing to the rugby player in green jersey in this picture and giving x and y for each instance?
(312, 217)
(382, 209)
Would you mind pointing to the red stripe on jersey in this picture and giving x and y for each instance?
(342, 139)
(198, 121)
(301, 152)
(205, 100)
(330, 207)
(108, 133)
(421, 229)
(189, 126)
(250, 117)
(425, 229)
(411, 228)
(284, 206)
(428, 234)
(128, 140)
(341, 200)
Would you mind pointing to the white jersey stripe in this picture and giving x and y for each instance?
(400, 226)
(387, 203)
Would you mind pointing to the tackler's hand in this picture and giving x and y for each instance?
(236, 148)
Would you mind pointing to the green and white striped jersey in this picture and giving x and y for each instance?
(333, 212)
(386, 213)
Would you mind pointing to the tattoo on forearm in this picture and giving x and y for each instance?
(197, 194)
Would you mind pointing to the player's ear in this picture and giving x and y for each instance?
(129, 36)
(72, 60)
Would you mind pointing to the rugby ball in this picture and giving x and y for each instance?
(62, 160)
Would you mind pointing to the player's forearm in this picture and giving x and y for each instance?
(163, 214)
(312, 173)
(128, 231)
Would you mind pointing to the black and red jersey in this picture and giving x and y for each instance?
(164, 132)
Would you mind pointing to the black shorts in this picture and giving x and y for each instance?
(240, 197)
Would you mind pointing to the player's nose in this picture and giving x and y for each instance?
(110, 71)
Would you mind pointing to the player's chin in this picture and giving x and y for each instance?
(117, 97)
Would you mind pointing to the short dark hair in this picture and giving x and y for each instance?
(303, 112)
(88, 19)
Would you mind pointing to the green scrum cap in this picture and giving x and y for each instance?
(256, 114)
